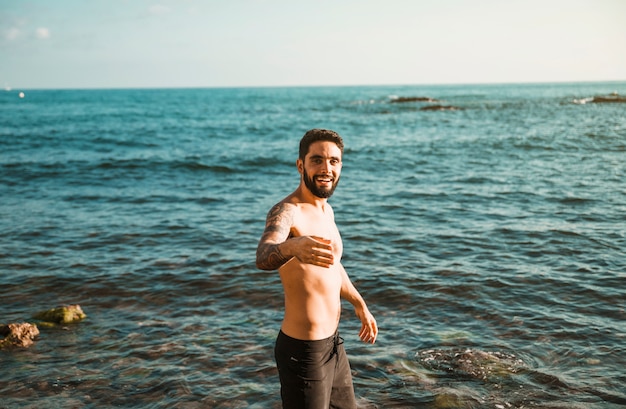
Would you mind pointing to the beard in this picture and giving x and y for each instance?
(321, 192)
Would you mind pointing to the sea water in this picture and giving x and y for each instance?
(488, 238)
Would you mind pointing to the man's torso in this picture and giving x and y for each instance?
(312, 293)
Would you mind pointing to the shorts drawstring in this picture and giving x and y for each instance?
(337, 340)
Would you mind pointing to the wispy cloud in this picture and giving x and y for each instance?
(42, 33)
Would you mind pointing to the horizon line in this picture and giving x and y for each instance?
(172, 87)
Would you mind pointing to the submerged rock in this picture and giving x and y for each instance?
(472, 363)
(440, 108)
(62, 315)
(453, 399)
(18, 334)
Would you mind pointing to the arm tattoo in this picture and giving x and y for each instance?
(279, 222)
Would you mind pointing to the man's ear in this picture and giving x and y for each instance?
(300, 166)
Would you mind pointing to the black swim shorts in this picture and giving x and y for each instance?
(314, 374)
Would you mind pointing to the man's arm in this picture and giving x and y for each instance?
(369, 328)
(277, 228)
(276, 248)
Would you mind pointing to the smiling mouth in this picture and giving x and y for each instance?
(324, 179)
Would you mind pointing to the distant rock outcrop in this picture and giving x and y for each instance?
(602, 99)
(18, 334)
(62, 315)
(614, 97)
(412, 99)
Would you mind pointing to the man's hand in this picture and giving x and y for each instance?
(310, 250)
(369, 329)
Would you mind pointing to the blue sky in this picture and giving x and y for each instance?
(226, 43)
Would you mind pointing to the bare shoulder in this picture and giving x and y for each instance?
(281, 216)
(282, 209)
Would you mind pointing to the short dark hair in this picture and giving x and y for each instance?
(315, 135)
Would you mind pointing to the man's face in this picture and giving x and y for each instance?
(321, 168)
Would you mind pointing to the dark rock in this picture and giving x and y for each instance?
(413, 99)
(18, 334)
(613, 98)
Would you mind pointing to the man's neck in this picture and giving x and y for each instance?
(308, 197)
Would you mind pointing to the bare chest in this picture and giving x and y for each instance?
(319, 224)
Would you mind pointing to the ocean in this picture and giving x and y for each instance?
(485, 226)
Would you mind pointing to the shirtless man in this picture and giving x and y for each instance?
(301, 240)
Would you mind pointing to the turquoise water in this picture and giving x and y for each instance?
(488, 242)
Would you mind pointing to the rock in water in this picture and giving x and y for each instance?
(613, 98)
(413, 99)
(20, 335)
(62, 315)
(439, 108)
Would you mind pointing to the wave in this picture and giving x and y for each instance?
(107, 167)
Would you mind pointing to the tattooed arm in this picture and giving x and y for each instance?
(277, 229)
(277, 247)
